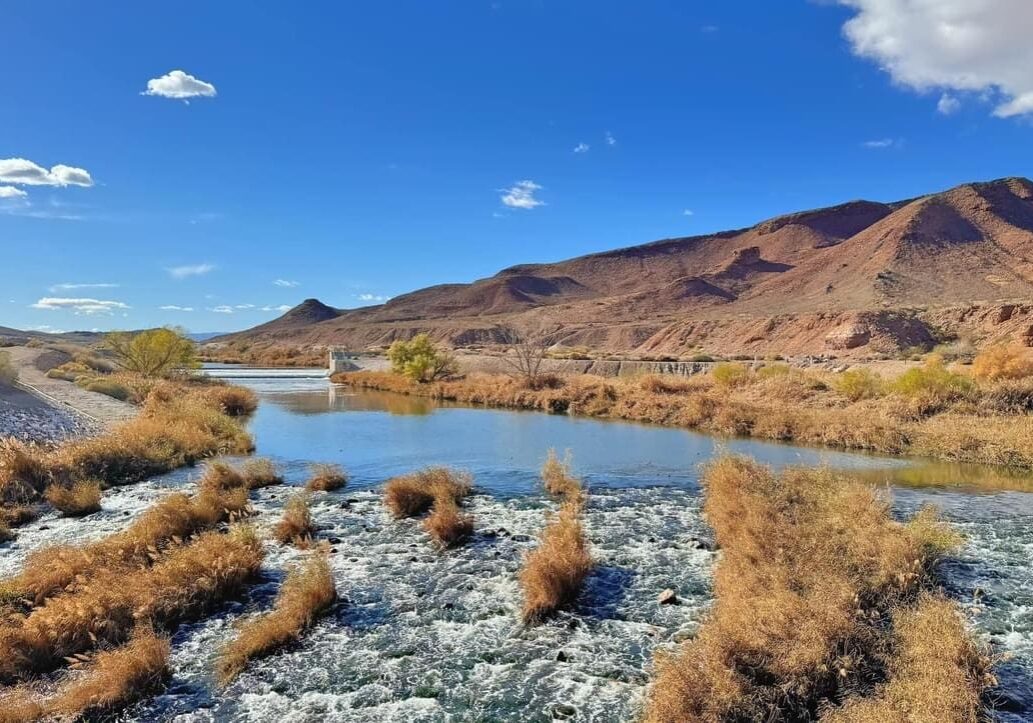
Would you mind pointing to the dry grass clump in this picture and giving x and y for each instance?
(813, 572)
(666, 384)
(413, 494)
(183, 584)
(260, 473)
(446, 524)
(730, 374)
(82, 498)
(326, 477)
(557, 477)
(307, 592)
(231, 400)
(555, 571)
(6, 535)
(8, 374)
(295, 526)
(219, 476)
(1002, 361)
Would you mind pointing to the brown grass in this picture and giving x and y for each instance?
(933, 411)
(413, 494)
(295, 526)
(555, 571)
(82, 498)
(186, 582)
(813, 572)
(557, 478)
(447, 525)
(326, 477)
(105, 684)
(260, 473)
(307, 592)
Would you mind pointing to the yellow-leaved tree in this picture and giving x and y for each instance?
(153, 353)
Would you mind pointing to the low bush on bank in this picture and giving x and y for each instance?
(81, 498)
(730, 374)
(858, 384)
(554, 572)
(326, 478)
(1002, 361)
(108, 387)
(813, 571)
(307, 593)
(295, 526)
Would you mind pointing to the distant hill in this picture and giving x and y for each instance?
(860, 277)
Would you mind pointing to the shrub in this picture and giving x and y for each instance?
(326, 477)
(259, 473)
(295, 527)
(557, 478)
(232, 401)
(730, 374)
(701, 358)
(1002, 362)
(812, 569)
(771, 371)
(307, 592)
(82, 498)
(153, 353)
(555, 571)
(932, 385)
(108, 387)
(8, 374)
(858, 384)
(419, 360)
(413, 494)
(219, 476)
(446, 524)
(665, 384)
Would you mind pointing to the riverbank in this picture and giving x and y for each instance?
(981, 424)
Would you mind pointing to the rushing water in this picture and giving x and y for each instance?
(428, 636)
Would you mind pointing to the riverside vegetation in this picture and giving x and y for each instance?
(978, 415)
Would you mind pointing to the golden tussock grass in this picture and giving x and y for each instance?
(554, 572)
(326, 478)
(307, 592)
(260, 473)
(81, 498)
(446, 524)
(187, 581)
(912, 414)
(813, 573)
(413, 494)
(107, 682)
(557, 477)
(295, 527)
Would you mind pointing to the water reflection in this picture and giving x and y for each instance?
(341, 399)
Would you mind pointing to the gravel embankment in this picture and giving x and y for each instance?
(30, 419)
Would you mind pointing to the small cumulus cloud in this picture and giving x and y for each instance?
(521, 195)
(372, 298)
(179, 86)
(610, 140)
(9, 192)
(79, 306)
(223, 309)
(948, 104)
(280, 308)
(182, 272)
(22, 172)
(173, 307)
(688, 212)
(581, 148)
(47, 329)
(286, 283)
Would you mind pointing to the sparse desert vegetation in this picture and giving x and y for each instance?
(554, 572)
(326, 478)
(557, 477)
(81, 498)
(307, 592)
(816, 586)
(295, 526)
(260, 473)
(439, 490)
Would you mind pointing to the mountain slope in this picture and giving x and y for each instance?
(854, 275)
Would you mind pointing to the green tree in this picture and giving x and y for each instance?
(420, 360)
(153, 353)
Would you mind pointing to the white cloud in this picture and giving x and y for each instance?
(71, 287)
(179, 86)
(285, 283)
(182, 272)
(372, 297)
(222, 309)
(79, 306)
(972, 46)
(948, 104)
(688, 212)
(46, 329)
(244, 306)
(610, 140)
(281, 308)
(581, 148)
(7, 192)
(22, 172)
(709, 29)
(880, 143)
(521, 195)
(173, 307)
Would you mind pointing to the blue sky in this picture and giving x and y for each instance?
(355, 151)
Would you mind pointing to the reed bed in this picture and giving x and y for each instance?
(307, 593)
(260, 473)
(295, 527)
(554, 572)
(326, 478)
(447, 525)
(557, 477)
(81, 498)
(817, 587)
(413, 494)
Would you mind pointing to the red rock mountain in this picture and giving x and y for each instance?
(860, 276)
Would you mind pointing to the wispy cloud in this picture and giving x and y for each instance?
(223, 309)
(173, 307)
(244, 306)
(610, 140)
(521, 195)
(286, 283)
(22, 172)
(182, 272)
(179, 86)
(9, 192)
(581, 148)
(47, 329)
(280, 308)
(948, 104)
(880, 143)
(71, 287)
(709, 29)
(79, 306)
(688, 212)
(374, 298)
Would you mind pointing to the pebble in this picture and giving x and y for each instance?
(43, 425)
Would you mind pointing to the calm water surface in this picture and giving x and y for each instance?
(425, 636)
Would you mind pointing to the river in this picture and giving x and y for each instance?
(428, 636)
